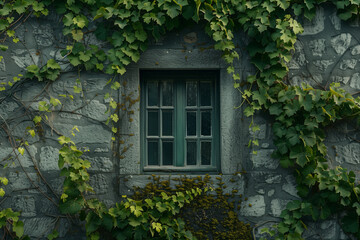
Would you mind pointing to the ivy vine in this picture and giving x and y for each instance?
(125, 27)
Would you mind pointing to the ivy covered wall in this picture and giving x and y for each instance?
(326, 52)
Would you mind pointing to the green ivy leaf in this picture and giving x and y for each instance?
(18, 228)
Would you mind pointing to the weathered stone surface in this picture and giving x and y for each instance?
(25, 204)
(271, 192)
(39, 227)
(190, 37)
(13, 161)
(317, 47)
(349, 153)
(265, 145)
(2, 66)
(49, 158)
(86, 134)
(322, 65)
(336, 21)
(101, 164)
(99, 183)
(298, 59)
(355, 81)
(65, 84)
(316, 25)
(263, 159)
(339, 79)
(290, 186)
(341, 43)
(43, 34)
(57, 185)
(273, 179)
(328, 228)
(19, 181)
(7, 108)
(73, 109)
(101, 150)
(94, 84)
(253, 207)
(261, 134)
(348, 64)
(277, 205)
(24, 58)
(96, 110)
(355, 50)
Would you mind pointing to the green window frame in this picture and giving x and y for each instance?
(180, 120)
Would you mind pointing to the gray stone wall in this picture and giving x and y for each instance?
(326, 52)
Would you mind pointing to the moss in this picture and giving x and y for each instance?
(210, 216)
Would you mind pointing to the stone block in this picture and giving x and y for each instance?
(322, 65)
(290, 186)
(355, 50)
(25, 204)
(49, 158)
(348, 64)
(253, 207)
(24, 58)
(43, 34)
(336, 21)
(355, 81)
(2, 66)
(96, 110)
(101, 150)
(100, 164)
(343, 80)
(271, 179)
(317, 47)
(349, 153)
(19, 181)
(263, 159)
(73, 109)
(7, 155)
(316, 25)
(39, 227)
(6, 108)
(341, 43)
(99, 183)
(277, 205)
(298, 59)
(271, 193)
(328, 229)
(261, 134)
(86, 134)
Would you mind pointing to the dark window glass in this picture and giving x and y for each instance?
(153, 150)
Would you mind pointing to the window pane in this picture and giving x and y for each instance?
(167, 123)
(153, 156)
(206, 123)
(168, 153)
(153, 123)
(205, 153)
(191, 153)
(191, 123)
(191, 93)
(205, 93)
(167, 93)
(153, 94)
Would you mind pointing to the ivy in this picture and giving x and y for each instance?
(300, 114)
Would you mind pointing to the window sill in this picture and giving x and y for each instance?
(190, 170)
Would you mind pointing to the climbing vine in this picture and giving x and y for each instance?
(125, 27)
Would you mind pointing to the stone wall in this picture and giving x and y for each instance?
(326, 52)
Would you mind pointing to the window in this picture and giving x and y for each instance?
(180, 120)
